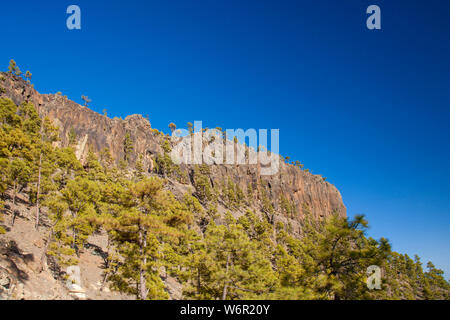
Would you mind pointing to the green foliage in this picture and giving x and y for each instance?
(149, 217)
(194, 206)
(152, 234)
(127, 147)
(86, 100)
(234, 196)
(165, 165)
(13, 68)
(72, 137)
(61, 242)
(2, 229)
(228, 265)
(267, 206)
(19, 131)
(172, 127)
(298, 164)
(139, 168)
(202, 183)
(341, 253)
(28, 76)
(288, 208)
(166, 146)
(438, 288)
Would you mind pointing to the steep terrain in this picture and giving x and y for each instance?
(81, 191)
(284, 197)
(97, 132)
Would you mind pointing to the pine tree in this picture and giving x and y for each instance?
(138, 231)
(59, 243)
(28, 76)
(190, 127)
(341, 254)
(72, 135)
(172, 127)
(440, 288)
(127, 147)
(226, 264)
(86, 100)
(12, 68)
(139, 168)
(19, 172)
(48, 135)
(106, 158)
(18, 71)
(18, 130)
(81, 196)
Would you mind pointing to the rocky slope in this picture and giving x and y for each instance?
(21, 249)
(97, 132)
(26, 274)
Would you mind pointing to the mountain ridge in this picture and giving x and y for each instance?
(96, 132)
(114, 205)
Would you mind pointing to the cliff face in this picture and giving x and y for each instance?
(303, 191)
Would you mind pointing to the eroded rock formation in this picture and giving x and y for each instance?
(93, 131)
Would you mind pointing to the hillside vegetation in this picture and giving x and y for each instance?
(155, 232)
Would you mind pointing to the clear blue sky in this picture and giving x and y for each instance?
(369, 110)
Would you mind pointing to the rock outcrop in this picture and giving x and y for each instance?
(93, 131)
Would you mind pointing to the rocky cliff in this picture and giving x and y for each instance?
(291, 187)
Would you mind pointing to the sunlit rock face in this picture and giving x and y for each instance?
(96, 132)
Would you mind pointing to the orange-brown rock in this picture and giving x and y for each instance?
(97, 132)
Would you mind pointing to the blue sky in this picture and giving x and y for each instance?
(369, 110)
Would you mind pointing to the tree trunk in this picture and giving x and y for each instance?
(14, 192)
(38, 191)
(44, 253)
(74, 244)
(198, 282)
(107, 265)
(142, 281)
(225, 288)
(13, 218)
